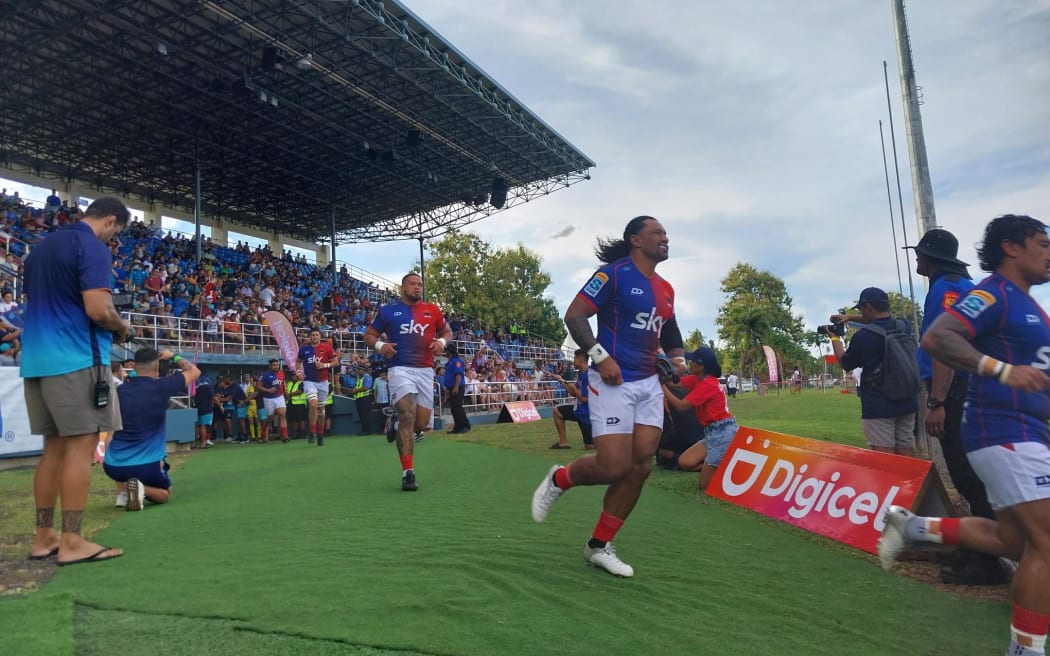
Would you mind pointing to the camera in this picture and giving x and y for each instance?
(837, 329)
(665, 371)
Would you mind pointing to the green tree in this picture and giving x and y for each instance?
(497, 287)
(757, 312)
(695, 339)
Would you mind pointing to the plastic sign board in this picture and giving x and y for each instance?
(518, 412)
(840, 492)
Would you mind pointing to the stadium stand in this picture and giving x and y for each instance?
(216, 307)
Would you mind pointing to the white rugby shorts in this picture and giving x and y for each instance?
(412, 380)
(615, 409)
(1013, 473)
(271, 405)
(316, 391)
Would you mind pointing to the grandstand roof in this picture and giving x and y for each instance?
(296, 110)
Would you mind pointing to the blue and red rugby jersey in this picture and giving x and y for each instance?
(412, 329)
(311, 357)
(1009, 325)
(632, 310)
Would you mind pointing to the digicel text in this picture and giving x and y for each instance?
(807, 494)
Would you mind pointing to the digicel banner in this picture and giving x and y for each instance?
(840, 492)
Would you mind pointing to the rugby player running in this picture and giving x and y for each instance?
(1000, 334)
(417, 332)
(635, 309)
(316, 360)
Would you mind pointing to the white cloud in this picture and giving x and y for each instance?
(751, 130)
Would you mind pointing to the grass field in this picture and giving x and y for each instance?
(294, 549)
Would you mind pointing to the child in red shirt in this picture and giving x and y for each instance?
(706, 396)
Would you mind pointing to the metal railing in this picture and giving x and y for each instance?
(213, 335)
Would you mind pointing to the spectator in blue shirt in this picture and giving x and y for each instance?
(69, 326)
(455, 381)
(135, 456)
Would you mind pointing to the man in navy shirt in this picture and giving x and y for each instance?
(69, 323)
(635, 309)
(1001, 335)
(204, 399)
(135, 456)
(455, 382)
(889, 425)
(935, 256)
(578, 411)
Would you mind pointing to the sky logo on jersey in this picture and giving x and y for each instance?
(975, 303)
(413, 328)
(648, 321)
(595, 284)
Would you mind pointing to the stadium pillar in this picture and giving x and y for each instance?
(197, 207)
(422, 268)
(335, 278)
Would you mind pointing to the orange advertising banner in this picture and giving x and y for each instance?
(837, 491)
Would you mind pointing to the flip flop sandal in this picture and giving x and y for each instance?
(50, 554)
(93, 558)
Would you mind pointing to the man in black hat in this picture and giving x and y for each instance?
(936, 258)
(888, 423)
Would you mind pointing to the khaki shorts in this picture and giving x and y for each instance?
(890, 432)
(65, 404)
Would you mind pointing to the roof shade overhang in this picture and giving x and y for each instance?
(300, 115)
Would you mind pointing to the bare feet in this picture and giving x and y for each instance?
(77, 548)
(45, 543)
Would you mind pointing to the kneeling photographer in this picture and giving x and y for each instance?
(135, 457)
(885, 349)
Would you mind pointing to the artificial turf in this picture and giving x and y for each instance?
(295, 549)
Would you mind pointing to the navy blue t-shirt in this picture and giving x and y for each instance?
(455, 367)
(205, 398)
(143, 411)
(867, 350)
(944, 292)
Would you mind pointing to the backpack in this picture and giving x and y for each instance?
(897, 376)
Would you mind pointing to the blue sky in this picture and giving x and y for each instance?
(751, 130)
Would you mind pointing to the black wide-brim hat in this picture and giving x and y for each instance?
(940, 245)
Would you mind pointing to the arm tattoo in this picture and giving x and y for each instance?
(948, 340)
(71, 520)
(580, 329)
(45, 517)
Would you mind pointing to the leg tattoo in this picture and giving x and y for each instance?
(45, 517)
(71, 520)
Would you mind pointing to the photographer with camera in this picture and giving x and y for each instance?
(135, 456)
(885, 348)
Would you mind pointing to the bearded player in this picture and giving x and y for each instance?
(316, 359)
(416, 331)
(635, 309)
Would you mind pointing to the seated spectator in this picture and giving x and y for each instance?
(135, 456)
(10, 344)
(232, 330)
(7, 302)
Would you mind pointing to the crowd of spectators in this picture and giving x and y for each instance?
(176, 302)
